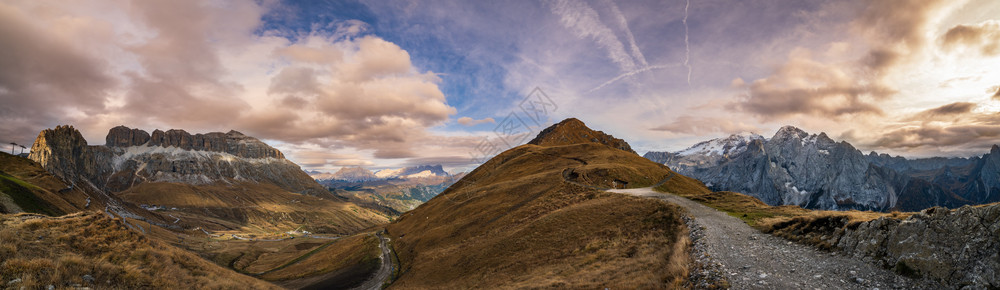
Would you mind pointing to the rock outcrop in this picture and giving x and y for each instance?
(958, 247)
(132, 156)
(573, 131)
(813, 171)
(122, 136)
(64, 152)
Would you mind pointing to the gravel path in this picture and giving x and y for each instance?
(749, 259)
(385, 268)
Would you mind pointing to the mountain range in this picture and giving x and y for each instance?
(393, 191)
(214, 181)
(813, 171)
(359, 174)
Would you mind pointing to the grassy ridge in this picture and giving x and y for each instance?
(89, 249)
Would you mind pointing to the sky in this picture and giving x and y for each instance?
(385, 84)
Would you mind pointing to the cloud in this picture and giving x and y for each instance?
(983, 37)
(970, 137)
(705, 125)
(894, 31)
(804, 86)
(952, 110)
(446, 161)
(361, 92)
(996, 95)
(466, 121)
(44, 76)
(955, 128)
(585, 22)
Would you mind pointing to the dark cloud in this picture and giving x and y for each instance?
(181, 82)
(446, 161)
(970, 137)
(704, 125)
(45, 79)
(947, 112)
(985, 37)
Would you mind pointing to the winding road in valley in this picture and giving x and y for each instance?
(750, 259)
(385, 267)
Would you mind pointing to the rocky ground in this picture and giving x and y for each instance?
(727, 251)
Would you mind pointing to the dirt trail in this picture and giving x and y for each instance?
(385, 268)
(749, 259)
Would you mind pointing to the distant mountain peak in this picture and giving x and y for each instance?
(412, 172)
(574, 131)
(995, 149)
(354, 174)
(790, 131)
(733, 144)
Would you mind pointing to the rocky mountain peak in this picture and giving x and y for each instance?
(122, 136)
(573, 131)
(995, 150)
(823, 138)
(789, 131)
(733, 144)
(233, 142)
(55, 148)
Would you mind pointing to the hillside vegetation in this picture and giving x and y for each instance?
(529, 218)
(27, 187)
(91, 250)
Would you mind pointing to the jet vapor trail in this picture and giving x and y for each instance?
(687, 44)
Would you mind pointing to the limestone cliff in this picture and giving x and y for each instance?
(132, 156)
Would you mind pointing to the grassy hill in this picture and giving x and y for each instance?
(27, 187)
(531, 217)
(91, 250)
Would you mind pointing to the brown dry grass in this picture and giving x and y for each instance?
(60, 251)
(514, 223)
(361, 249)
(252, 208)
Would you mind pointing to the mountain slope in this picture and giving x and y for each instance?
(27, 187)
(813, 171)
(91, 250)
(528, 218)
(214, 181)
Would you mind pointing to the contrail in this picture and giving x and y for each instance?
(631, 73)
(623, 25)
(687, 43)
